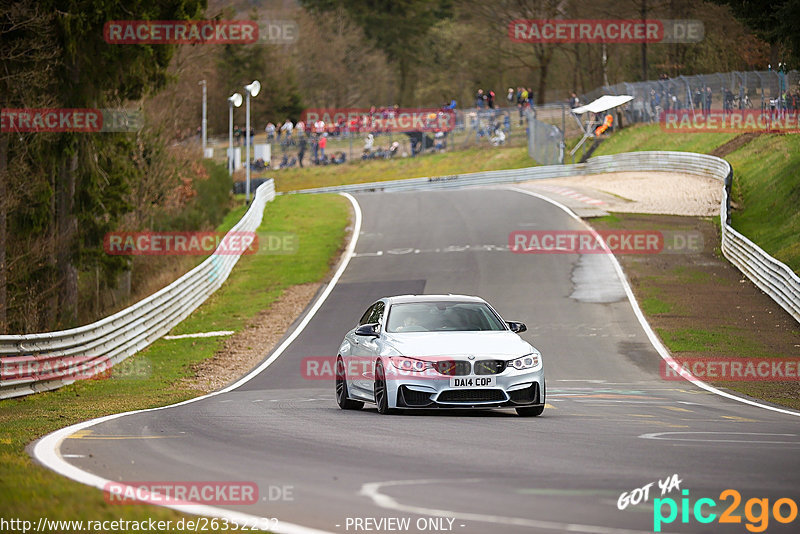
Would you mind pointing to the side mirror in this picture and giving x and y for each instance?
(516, 326)
(368, 330)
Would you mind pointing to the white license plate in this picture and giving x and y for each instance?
(473, 382)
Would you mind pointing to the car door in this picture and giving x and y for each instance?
(366, 350)
(354, 358)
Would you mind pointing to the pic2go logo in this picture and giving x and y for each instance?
(758, 520)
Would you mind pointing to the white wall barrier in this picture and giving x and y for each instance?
(39, 362)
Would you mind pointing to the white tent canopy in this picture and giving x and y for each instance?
(604, 103)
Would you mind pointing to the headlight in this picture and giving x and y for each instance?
(529, 361)
(410, 364)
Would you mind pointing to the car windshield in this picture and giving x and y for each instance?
(442, 316)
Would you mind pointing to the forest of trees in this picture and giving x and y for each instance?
(61, 192)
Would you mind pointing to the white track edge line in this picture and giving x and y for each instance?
(46, 450)
(373, 491)
(651, 335)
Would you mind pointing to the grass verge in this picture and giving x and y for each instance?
(445, 163)
(767, 186)
(651, 137)
(153, 377)
(701, 306)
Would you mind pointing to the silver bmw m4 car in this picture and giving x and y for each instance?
(438, 351)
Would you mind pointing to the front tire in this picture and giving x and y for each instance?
(341, 388)
(533, 411)
(530, 411)
(381, 391)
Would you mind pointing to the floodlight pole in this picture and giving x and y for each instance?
(251, 89)
(205, 120)
(233, 101)
(247, 150)
(230, 137)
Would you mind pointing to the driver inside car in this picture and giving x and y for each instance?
(410, 324)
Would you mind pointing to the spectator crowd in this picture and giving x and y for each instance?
(305, 143)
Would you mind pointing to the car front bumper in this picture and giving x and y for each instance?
(511, 389)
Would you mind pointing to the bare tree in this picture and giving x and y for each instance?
(535, 57)
(26, 63)
(336, 65)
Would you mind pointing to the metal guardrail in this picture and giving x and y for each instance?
(452, 180)
(40, 362)
(770, 275)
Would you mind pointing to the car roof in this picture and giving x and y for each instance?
(403, 299)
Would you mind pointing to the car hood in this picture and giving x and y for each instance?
(421, 344)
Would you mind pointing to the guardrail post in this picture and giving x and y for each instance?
(728, 190)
